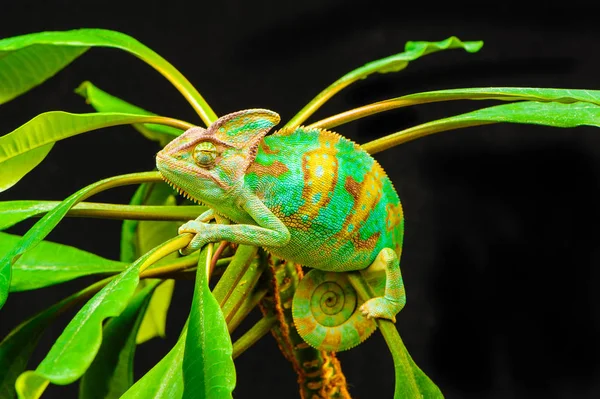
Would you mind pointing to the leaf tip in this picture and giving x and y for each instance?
(474, 46)
(82, 89)
(30, 385)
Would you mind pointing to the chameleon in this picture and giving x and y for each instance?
(307, 195)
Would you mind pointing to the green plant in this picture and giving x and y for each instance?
(140, 284)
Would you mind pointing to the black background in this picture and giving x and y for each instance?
(501, 249)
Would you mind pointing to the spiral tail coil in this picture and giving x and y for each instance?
(326, 315)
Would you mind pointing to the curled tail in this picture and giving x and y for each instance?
(326, 312)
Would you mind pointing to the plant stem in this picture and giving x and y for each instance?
(407, 101)
(243, 288)
(177, 79)
(180, 269)
(381, 106)
(178, 265)
(136, 212)
(168, 247)
(418, 131)
(217, 255)
(483, 93)
(319, 373)
(245, 308)
(118, 181)
(393, 63)
(163, 120)
(115, 211)
(239, 264)
(251, 336)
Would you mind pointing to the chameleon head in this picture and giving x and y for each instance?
(203, 164)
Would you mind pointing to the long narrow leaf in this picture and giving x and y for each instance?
(208, 369)
(50, 263)
(104, 102)
(13, 212)
(513, 94)
(17, 346)
(75, 349)
(25, 147)
(165, 380)
(565, 96)
(411, 381)
(26, 67)
(394, 63)
(147, 235)
(111, 372)
(527, 112)
(45, 225)
(31, 59)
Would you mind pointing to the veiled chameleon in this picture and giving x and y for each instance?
(307, 195)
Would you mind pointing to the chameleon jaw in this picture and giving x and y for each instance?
(180, 191)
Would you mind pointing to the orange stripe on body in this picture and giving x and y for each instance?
(320, 173)
(394, 216)
(366, 196)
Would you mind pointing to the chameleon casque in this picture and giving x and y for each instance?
(306, 195)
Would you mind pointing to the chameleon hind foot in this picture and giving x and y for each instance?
(394, 299)
(381, 307)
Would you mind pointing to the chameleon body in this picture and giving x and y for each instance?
(306, 195)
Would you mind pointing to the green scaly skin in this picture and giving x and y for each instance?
(306, 195)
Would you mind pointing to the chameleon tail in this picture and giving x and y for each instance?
(326, 312)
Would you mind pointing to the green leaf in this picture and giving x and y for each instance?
(154, 323)
(509, 94)
(394, 63)
(26, 67)
(128, 246)
(411, 381)
(412, 51)
(17, 346)
(139, 237)
(208, 369)
(111, 372)
(527, 112)
(14, 167)
(538, 113)
(31, 59)
(25, 147)
(43, 227)
(50, 263)
(566, 96)
(104, 102)
(13, 212)
(165, 379)
(75, 349)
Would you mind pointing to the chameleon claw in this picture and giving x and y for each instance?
(192, 226)
(379, 307)
(193, 246)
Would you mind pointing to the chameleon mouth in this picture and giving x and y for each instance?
(180, 191)
(184, 194)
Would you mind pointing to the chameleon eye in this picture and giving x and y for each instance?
(205, 154)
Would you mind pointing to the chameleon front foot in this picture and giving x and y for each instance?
(195, 227)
